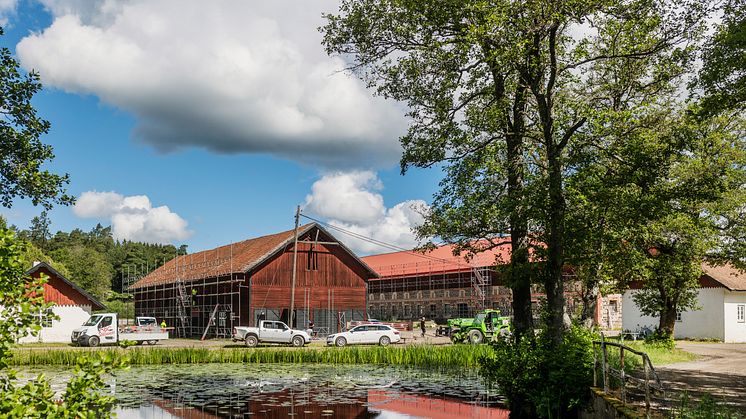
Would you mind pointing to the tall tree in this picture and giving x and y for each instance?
(723, 75)
(22, 153)
(503, 92)
(39, 230)
(671, 197)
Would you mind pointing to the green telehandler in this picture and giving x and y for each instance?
(487, 325)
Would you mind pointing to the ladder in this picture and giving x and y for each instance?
(209, 322)
(480, 281)
(182, 308)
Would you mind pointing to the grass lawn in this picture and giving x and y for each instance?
(663, 356)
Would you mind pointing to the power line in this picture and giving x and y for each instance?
(384, 244)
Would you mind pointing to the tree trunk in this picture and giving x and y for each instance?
(520, 270)
(668, 319)
(590, 304)
(553, 280)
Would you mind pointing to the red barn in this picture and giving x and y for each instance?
(72, 305)
(239, 283)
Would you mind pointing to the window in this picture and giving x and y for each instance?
(678, 316)
(45, 318)
(432, 309)
(313, 260)
(741, 313)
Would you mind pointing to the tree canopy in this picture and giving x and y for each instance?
(22, 154)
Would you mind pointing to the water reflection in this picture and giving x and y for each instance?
(300, 391)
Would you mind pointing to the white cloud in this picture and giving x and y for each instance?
(133, 217)
(350, 200)
(225, 75)
(7, 9)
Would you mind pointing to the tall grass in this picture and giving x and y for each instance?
(421, 356)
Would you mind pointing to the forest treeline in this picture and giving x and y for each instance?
(93, 259)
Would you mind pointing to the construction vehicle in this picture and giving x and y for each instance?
(485, 326)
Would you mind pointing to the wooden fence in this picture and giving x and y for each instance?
(649, 382)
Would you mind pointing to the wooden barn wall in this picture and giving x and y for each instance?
(59, 292)
(327, 278)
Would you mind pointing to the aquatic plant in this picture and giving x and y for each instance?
(415, 355)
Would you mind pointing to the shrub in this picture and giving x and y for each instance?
(541, 379)
(661, 339)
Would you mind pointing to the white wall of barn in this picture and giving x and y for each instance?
(735, 327)
(705, 323)
(70, 317)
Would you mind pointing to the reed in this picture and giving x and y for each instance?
(415, 355)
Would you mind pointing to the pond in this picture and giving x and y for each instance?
(296, 391)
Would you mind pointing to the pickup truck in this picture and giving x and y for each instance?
(270, 331)
(102, 329)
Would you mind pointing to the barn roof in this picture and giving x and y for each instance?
(233, 258)
(95, 304)
(438, 260)
(728, 275)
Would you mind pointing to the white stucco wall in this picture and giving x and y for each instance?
(71, 317)
(705, 323)
(734, 331)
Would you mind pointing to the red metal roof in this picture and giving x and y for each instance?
(438, 260)
(237, 257)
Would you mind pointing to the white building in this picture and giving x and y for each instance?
(722, 308)
(72, 305)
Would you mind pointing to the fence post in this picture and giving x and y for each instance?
(605, 360)
(595, 367)
(645, 362)
(621, 374)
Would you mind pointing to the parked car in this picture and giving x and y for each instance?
(365, 334)
(270, 331)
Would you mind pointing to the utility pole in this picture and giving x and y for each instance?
(295, 263)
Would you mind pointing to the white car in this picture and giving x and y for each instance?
(367, 333)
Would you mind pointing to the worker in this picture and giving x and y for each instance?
(163, 324)
(422, 325)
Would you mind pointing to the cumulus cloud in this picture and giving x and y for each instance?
(133, 217)
(225, 75)
(7, 8)
(351, 200)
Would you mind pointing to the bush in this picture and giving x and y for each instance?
(539, 379)
(660, 338)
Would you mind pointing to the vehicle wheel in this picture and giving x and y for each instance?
(251, 341)
(340, 341)
(475, 337)
(298, 341)
(93, 341)
(152, 342)
(138, 342)
(384, 341)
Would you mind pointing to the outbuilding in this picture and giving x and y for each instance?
(71, 304)
(721, 297)
(209, 292)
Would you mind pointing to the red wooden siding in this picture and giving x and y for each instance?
(59, 292)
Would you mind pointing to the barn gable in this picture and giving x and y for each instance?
(62, 291)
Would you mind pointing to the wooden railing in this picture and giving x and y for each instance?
(650, 381)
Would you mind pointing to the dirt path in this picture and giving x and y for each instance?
(721, 372)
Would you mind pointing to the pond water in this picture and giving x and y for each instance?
(295, 391)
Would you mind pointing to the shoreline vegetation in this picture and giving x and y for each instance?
(415, 355)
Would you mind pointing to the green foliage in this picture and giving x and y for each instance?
(706, 408)
(21, 299)
(553, 380)
(462, 356)
(660, 339)
(124, 343)
(723, 74)
(22, 154)
(83, 397)
(88, 268)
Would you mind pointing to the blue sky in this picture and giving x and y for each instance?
(189, 143)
